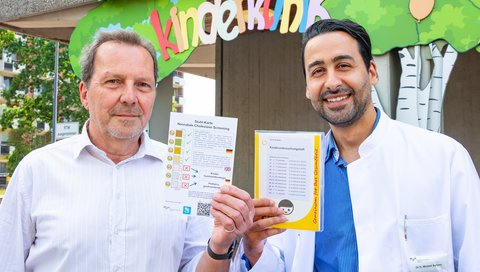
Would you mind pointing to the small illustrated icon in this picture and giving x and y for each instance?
(168, 175)
(167, 184)
(172, 132)
(185, 185)
(187, 210)
(186, 176)
(169, 158)
(286, 205)
(186, 168)
(169, 167)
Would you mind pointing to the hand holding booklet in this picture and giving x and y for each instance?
(199, 161)
(288, 170)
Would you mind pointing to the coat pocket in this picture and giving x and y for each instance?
(428, 239)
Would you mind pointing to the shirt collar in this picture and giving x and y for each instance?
(146, 147)
(332, 149)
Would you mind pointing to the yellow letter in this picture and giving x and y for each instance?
(176, 28)
(191, 14)
(286, 16)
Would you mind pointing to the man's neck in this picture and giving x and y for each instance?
(116, 149)
(349, 139)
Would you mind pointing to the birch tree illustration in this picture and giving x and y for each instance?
(443, 27)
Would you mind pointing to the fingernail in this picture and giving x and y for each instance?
(225, 188)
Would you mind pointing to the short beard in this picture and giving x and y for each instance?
(125, 109)
(119, 135)
(348, 118)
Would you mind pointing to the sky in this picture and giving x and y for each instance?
(199, 95)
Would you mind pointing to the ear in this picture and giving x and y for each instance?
(307, 93)
(372, 71)
(83, 94)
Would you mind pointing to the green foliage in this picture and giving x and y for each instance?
(390, 23)
(28, 101)
(25, 140)
(111, 15)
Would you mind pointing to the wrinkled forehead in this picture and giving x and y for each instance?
(114, 58)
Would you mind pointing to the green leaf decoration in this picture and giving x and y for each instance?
(391, 25)
(131, 15)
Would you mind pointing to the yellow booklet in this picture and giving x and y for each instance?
(288, 170)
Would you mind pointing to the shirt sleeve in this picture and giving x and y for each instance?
(17, 231)
(272, 260)
(198, 231)
(465, 211)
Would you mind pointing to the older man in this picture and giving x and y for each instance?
(92, 202)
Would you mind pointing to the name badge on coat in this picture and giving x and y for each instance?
(433, 263)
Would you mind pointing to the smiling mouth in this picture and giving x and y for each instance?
(336, 99)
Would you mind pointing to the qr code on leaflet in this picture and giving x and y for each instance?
(203, 209)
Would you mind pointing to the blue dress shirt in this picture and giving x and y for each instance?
(336, 246)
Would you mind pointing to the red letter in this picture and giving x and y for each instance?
(163, 38)
(268, 19)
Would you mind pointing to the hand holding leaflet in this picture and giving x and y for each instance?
(199, 161)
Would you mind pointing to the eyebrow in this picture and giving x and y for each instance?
(343, 57)
(110, 74)
(335, 59)
(315, 63)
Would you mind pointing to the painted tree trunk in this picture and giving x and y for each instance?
(441, 72)
(423, 107)
(407, 109)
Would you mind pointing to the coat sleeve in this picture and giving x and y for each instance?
(465, 211)
(17, 231)
(272, 260)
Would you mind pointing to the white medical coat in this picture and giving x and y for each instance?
(402, 171)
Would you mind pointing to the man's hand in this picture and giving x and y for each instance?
(233, 211)
(266, 215)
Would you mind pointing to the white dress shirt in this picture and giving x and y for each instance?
(68, 207)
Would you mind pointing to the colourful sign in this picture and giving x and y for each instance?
(177, 27)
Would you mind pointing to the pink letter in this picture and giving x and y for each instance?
(163, 38)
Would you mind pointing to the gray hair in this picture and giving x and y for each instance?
(121, 36)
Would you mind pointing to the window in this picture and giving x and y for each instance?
(5, 150)
(7, 81)
(41, 125)
(3, 180)
(8, 66)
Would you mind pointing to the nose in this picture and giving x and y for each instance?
(129, 94)
(332, 81)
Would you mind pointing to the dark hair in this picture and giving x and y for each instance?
(87, 59)
(351, 28)
(285, 203)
